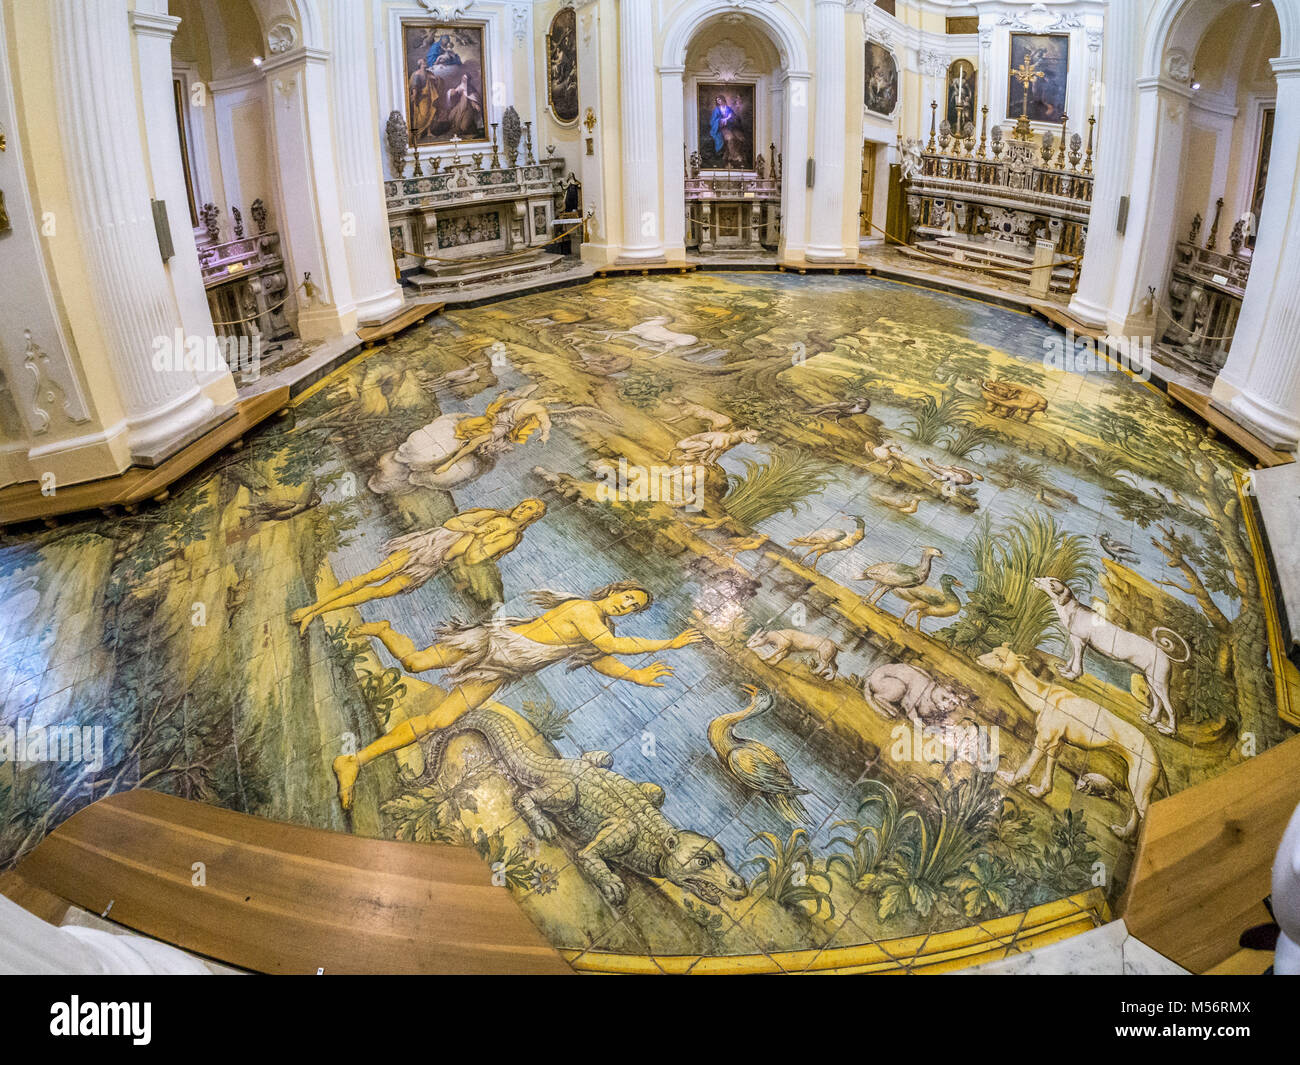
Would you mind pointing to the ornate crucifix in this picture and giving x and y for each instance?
(1027, 74)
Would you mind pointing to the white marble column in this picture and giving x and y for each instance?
(108, 183)
(154, 30)
(673, 104)
(1113, 144)
(639, 134)
(361, 174)
(1259, 385)
(826, 235)
(794, 192)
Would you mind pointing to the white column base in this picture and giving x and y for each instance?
(1088, 313)
(639, 256)
(160, 433)
(1277, 427)
(380, 308)
(323, 323)
(828, 255)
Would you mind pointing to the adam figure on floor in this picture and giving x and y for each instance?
(481, 659)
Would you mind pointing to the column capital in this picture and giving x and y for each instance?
(1286, 66)
(150, 24)
(292, 58)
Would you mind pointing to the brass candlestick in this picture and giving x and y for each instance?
(419, 170)
(1214, 229)
(984, 131)
(496, 158)
(934, 114)
(528, 145)
(1087, 163)
(1060, 152)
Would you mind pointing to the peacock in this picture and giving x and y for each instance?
(931, 602)
(824, 541)
(891, 576)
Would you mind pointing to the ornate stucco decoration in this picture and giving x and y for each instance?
(726, 60)
(1040, 20)
(447, 11)
(1178, 66)
(48, 397)
(281, 38)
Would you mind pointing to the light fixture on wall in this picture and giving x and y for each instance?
(1196, 84)
(257, 60)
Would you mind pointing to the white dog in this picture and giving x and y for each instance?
(1087, 628)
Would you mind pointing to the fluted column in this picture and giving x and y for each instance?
(361, 177)
(826, 238)
(1259, 385)
(639, 134)
(1114, 165)
(154, 30)
(302, 140)
(108, 182)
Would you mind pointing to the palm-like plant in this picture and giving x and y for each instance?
(786, 873)
(933, 417)
(783, 483)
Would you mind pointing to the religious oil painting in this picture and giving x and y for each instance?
(720, 660)
(726, 125)
(962, 95)
(562, 66)
(446, 80)
(881, 77)
(1040, 65)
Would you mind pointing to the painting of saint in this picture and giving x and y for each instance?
(562, 66)
(1040, 64)
(444, 82)
(962, 104)
(881, 93)
(726, 126)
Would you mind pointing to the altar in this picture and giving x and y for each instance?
(467, 223)
(728, 211)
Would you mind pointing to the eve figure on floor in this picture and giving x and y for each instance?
(478, 535)
(481, 659)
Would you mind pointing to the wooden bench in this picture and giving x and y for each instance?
(24, 502)
(279, 898)
(1204, 860)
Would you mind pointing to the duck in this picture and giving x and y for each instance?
(950, 478)
(738, 545)
(824, 541)
(754, 765)
(903, 506)
(931, 602)
(891, 576)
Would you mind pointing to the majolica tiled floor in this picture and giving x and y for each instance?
(867, 809)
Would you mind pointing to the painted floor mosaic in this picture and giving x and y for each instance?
(742, 620)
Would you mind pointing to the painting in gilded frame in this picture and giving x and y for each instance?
(962, 94)
(1040, 66)
(880, 93)
(726, 125)
(562, 66)
(445, 70)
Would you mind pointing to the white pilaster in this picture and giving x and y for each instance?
(794, 192)
(1147, 249)
(154, 30)
(1259, 385)
(298, 102)
(361, 198)
(639, 133)
(109, 185)
(826, 241)
(673, 104)
(1113, 144)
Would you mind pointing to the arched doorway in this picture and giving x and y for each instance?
(732, 109)
(714, 44)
